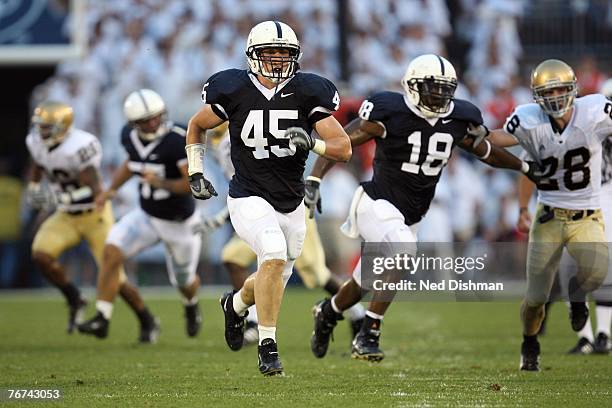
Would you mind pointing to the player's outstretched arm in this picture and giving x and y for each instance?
(175, 186)
(120, 176)
(203, 120)
(499, 157)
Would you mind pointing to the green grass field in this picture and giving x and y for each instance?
(436, 354)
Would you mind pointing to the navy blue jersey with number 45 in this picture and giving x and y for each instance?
(267, 164)
(410, 156)
(163, 157)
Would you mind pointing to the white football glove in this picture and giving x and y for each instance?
(478, 133)
(208, 225)
(39, 197)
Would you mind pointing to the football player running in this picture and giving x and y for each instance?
(565, 135)
(237, 256)
(273, 111)
(415, 133)
(70, 159)
(587, 342)
(156, 154)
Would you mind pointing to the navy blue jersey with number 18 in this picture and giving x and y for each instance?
(410, 156)
(266, 163)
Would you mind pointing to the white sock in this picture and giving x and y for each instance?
(252, 317)
(104, 307)
(356, 312)
(239, 306)
(586, 332)
(604, 318)
(333, 305)
(374, 315)
(266, 332)
(190, 302)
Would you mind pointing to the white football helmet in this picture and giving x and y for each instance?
(606, 89)
(143, 105)
(430, 82)
(273, 34)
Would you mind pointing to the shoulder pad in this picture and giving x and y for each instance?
(225, 82)
(530, 115)
(466, 111)
(313, 84)
(179, 130)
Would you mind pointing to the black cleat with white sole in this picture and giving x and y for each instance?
(583, 347)
(149, 331)
(325, 319)
(76, 315)
(579, 314)
(234, 324)
(602, 345)
(96, 326)
(269, 361)
(530, 356)
(193, 319)
(365, 346)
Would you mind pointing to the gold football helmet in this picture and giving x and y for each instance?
(52, 120)
(549, 75)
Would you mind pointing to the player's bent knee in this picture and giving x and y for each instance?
(42, 259)
(273, 245)
(112, 256)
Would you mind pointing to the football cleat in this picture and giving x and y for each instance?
(76, 315)
(269, 362)
(251, 334)
(325, 319)
(365, 346)
(96, 326)
(193, 318)
(530, 356)
(602, 344)
(149, 331)
(234, 324)
(579, 314)
(356, 326)
(584, 346)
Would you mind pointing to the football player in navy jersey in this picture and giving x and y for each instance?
(273, 112)
(415, 133)
(156, 153)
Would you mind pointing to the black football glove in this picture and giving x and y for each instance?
(312, 198)
(534, 173)
(201, 188)
(300, 138)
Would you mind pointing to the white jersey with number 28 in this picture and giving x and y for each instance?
(571, 160)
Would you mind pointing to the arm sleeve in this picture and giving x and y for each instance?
(214, 94)
(89, 155)
(374, 108)
(603, 129)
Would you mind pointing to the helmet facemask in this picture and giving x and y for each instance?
(275, 68)
(149, 130)
(52, 134)
(435, 94)
(556, 105)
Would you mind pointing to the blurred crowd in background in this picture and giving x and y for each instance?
(173, 46)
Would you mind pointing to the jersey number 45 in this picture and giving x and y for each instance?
(254, 124)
